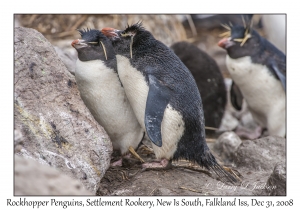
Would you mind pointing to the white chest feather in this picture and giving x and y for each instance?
(101, 91)
(99, 88)
(135, 86)
(263, 93)
(136, 89)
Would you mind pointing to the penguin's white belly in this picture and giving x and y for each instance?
(263, 93)
(101, 91)
(136, 89)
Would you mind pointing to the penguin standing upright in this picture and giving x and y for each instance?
(164, 97)
(258, 68)
(209, 80)
(102, 92)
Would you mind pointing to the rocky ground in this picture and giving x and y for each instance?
(254, 163)
(41, 128)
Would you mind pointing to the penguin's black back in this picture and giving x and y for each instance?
(174, 84)
(269, 53)
(151, 57)
(209, 80)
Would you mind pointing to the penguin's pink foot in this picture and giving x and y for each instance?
(120, 161)
(249, 134)
(117, 163)
(157, 164)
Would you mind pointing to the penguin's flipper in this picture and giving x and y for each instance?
(279, 74)
(158, 98)
(236, 97)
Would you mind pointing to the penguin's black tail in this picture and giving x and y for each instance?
(208, 161)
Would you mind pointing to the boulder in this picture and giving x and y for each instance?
(277, 181)
(261, 154)
(226, 146)
(52, 124)
(47, 180)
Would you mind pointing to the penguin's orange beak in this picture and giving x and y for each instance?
(78, 43)
(225, 43)
(75, 42)
(110, 32)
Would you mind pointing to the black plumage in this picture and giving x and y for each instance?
(209, 80)
(173, 84)
(236, 97)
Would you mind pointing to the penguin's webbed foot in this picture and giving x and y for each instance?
(158, 164)
(120, 161)
(249, 134)
(117, 163)
(127, 161)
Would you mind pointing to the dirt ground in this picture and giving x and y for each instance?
(183, 179)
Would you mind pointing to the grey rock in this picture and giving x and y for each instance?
(165, 191)
(226, 146)
(277, 181)
(53, 125)
(261, 154)
(33, 178)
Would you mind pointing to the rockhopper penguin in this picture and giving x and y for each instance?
(164, 97)
(258, 68)
(208, 78)
(102, 92)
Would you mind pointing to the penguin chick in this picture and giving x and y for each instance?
(209, 80)
(258, 68)
(164, 97)
(102, 92)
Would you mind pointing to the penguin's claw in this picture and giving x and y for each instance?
(135, 154)
(146, 149)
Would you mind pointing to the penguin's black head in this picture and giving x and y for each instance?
(126, 41)
(241, 41)
(93, 45)
(134, 29)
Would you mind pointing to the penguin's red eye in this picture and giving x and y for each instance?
(128, 34)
